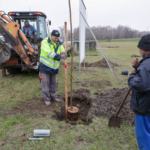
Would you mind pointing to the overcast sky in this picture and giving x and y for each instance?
(132, 13)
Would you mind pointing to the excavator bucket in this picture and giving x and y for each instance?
(5, 52)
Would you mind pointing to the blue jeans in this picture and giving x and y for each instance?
(142, 130)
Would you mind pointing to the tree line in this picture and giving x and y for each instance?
(105, 33)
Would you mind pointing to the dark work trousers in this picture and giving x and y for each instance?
(49, 85)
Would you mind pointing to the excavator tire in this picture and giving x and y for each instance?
(14, 70)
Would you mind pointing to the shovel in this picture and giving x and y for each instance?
(115, 121)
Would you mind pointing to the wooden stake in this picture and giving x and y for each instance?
(71, 54)
(66, 89)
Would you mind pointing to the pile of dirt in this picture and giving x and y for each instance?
(96, 84)
(82, 100)
(113, 47)
(92, 55)
(108, 102)
(99, 64)
(134, 55)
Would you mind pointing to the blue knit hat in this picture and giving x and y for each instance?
(55, 33)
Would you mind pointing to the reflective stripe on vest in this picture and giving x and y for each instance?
(49, 54)
(49, 60)
(55, 68)
(53, 55)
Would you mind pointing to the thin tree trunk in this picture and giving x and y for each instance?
(71, 53)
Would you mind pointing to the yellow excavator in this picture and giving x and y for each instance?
(16, 50)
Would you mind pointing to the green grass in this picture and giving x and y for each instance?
(123, 40)
(15, 129)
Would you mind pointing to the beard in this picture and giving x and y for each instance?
(142, 55)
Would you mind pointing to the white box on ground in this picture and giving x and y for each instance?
(39, 132)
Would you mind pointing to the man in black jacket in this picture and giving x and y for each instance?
(139, 82)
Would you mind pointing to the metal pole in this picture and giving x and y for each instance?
(79, 47)
(79, 70)
(84, 63)
(101, 49)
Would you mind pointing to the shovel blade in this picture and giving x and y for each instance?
(114, 121)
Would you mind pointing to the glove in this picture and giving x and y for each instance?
(64, 56)
(69, 53)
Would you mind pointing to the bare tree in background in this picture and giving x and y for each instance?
(68, 35)
(105, 33)
(76, 33)
(61, 29)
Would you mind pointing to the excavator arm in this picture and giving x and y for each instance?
(12, 33)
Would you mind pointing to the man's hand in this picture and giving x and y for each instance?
(135, 62)
(133, 71)
(35, 34)
(63, 56)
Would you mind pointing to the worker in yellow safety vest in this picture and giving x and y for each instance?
(51, 53)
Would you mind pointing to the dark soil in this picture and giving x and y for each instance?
(82, 100)
(108, 102)
(96, 84)
(99, 64)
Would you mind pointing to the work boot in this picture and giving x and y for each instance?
(56, 100)
(48, 103)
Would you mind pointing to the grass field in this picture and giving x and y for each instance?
(15, 129)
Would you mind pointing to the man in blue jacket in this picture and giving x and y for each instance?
(29, 29)
(139, 82)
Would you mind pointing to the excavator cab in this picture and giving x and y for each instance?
(36, 19)
(15, 63)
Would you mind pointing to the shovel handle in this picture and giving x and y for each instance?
(123, 102)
